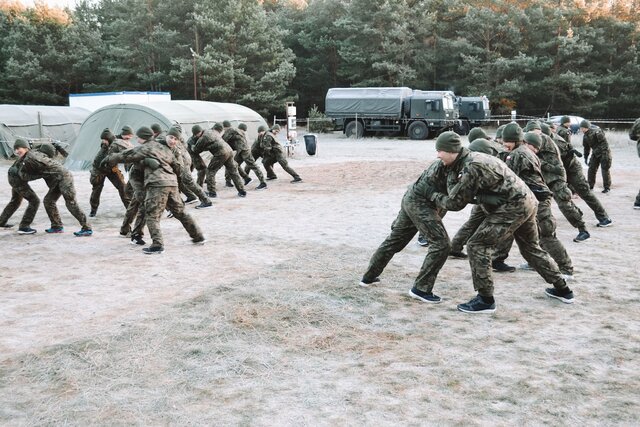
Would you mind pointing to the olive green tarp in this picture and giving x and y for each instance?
(186, 113)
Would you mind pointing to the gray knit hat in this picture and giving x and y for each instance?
(533, 138)
(512, 132)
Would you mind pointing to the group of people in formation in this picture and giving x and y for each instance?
(511, 180)
(159, 169)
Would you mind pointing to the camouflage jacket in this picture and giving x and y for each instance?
(433, 178)
(256, 147)
(566, 150)
(168, 167)
(564, 133)
(234, 138)
(243, 143)
(212, 142)
(35, 165)
(527, 166)
(477, 173)
(100, 156)
(270, 143)
(594, 140)
(551, 163)
(196, 160)
(182, 155)
(634, 134)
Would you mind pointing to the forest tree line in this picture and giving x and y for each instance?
(539, 57)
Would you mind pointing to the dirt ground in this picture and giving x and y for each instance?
(265, 324)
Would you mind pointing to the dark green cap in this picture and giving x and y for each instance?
(565, 119)
(262, 128)
(545, 129)
(499, 131)
(47, 149)
(196, 129)
(512, 132)
(533, 138)
(477, 133)
(449, 142)
(174, 131)
(533, 124)
(156, 128)
(20, 143)
(126, 130)
(108, 135)
(275, 127)
(226, 124)
(585, 124)
(144, 133)
(218, 126)
(242, 126)
(482, 145)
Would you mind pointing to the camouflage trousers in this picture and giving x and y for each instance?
(155, 202)
(97, 185)
(467, 229)
(190, 188)
(548, 239)
(135, 210)
(414, 216)
(20, 190)
(577, 181)
(216, 163)
(277, 157)
(600, 161)
(63, 187)
(563, 197)
(244, 156)
(516, 218)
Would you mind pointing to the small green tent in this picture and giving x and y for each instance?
(186, 113)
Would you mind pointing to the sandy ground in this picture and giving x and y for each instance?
(264, 325)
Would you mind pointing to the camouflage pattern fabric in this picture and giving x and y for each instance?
(475, 174)
(156, 201)
(596, 143)
(20, 190)
(577, 181)
(417, 214)
(135, 210)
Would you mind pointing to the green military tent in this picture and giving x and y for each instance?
(165, 113)
(37, 123)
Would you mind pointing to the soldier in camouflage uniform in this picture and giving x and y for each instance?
(135, 210)
(575, 177)
(417, 214)
(108, 145)
(232, 137)
(161, 169)
(20, 190)
(634, 135)
(511, 210)
(480, 145)
(35, 165)
(523, 161)
(196, 161)
(556, 179)
(243, 155)
(273, 152)
(256, 147)
(596, 143)
(222, 155)
(186, 183)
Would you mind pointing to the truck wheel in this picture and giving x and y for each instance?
(354, 130)
(418, 130)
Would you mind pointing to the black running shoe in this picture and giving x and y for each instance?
(26, 230)
(606, 222)
(137, 240)
(153, 250)
(262, 186)
(366, 283)
(199, 240)
(6, 226)
(296, 180)
(477, 305)
(247, 180)
(212, 194)
(423, 241)
(582, 236)
(228, 184)
(502, 267)
(204, 205)
(242, 193)
(190, 201)
(92, 214)
(432, 298)
(271, 178)
(565, 295)
(606, 190)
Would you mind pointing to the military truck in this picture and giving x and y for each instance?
(474, 111)
(391, 111)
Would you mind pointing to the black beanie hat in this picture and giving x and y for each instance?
(196, 129)
(108, 135)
